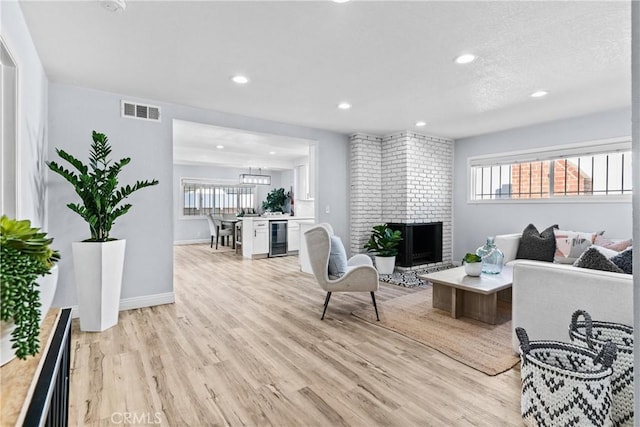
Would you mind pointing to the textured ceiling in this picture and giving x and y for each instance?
(392, 60)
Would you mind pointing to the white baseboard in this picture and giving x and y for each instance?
(191, 242)
(138, 302)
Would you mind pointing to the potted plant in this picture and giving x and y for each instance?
(24, 296)
(472, 264)
(276, 200)
(99, 260)
(384, 244)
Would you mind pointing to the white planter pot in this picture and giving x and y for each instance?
(47, 285)
(385, 264)
(98, 270)
(473, 268)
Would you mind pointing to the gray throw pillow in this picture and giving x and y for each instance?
(624, 261)
(537, 246)
(337, 258)
(593, 259)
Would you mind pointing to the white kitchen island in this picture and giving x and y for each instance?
(256, 233)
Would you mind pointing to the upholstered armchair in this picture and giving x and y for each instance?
(332, 270)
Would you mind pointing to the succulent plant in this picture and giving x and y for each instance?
(26, 255)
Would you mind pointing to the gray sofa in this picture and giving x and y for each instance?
(546, 294)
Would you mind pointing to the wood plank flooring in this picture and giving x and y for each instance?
(244, 346)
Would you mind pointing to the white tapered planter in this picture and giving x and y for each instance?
(98, 269)
(47, 285)
(385, 264)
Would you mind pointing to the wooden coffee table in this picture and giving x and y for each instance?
(474, 297)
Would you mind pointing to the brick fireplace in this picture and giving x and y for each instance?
(402, 178)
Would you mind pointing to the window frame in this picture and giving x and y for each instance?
(209, 182)
(587, 148)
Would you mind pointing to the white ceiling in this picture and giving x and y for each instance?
(392, 60)
(197, 143)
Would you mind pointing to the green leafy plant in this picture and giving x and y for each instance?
(26, 255)
(469, 258)
(96, 185)
(275, 200)
(384, 241)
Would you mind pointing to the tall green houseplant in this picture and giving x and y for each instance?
(96, 184)
(98, 261)
(25, 256)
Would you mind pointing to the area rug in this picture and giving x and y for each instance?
(481, 346)
(409, 279)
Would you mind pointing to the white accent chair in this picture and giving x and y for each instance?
(215, 227)
(361, 276)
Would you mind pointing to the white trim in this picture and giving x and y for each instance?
(17, 208)
(138, 302)
(191, 242)
(587, 148)
(621, 198)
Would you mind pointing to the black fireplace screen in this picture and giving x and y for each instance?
(421, 244)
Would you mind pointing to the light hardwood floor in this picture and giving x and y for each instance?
(244, 345)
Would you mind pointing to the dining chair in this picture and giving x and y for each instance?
(215, 227)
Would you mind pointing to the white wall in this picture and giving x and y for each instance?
(149, 226)
(187, 229)
(473, 222)
(32, 115)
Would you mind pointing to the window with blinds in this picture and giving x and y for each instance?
(201, 198)
(601, 168)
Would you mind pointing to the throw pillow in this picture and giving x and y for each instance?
(624, 261)
(608, 253)
(594, 260)
(571, 244)
(337, 258)
(617, 246)
(537, 246)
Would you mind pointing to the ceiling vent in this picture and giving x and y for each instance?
(140, 111)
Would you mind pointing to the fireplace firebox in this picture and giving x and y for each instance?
(421, 243)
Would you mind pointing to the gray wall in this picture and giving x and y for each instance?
(149, 226)
(32, 116)
(473, 222)
(187, 229)
(635, 79)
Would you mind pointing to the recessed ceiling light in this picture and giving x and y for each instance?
(340, 1)
(240, 79)
(272, 152)
(539, 94)
(115, 6)
(465, 58)
(344, 106)
(421, 123)
(219, 147)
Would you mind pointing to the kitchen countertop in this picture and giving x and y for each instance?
(277, 218)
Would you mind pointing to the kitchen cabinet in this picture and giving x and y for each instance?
(255, 235)
(293, 242)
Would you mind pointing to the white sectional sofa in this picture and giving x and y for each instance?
(546, 294)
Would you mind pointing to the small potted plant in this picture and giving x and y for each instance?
(276, 200)
(384, 244)
(472, 264)
(26, 259)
